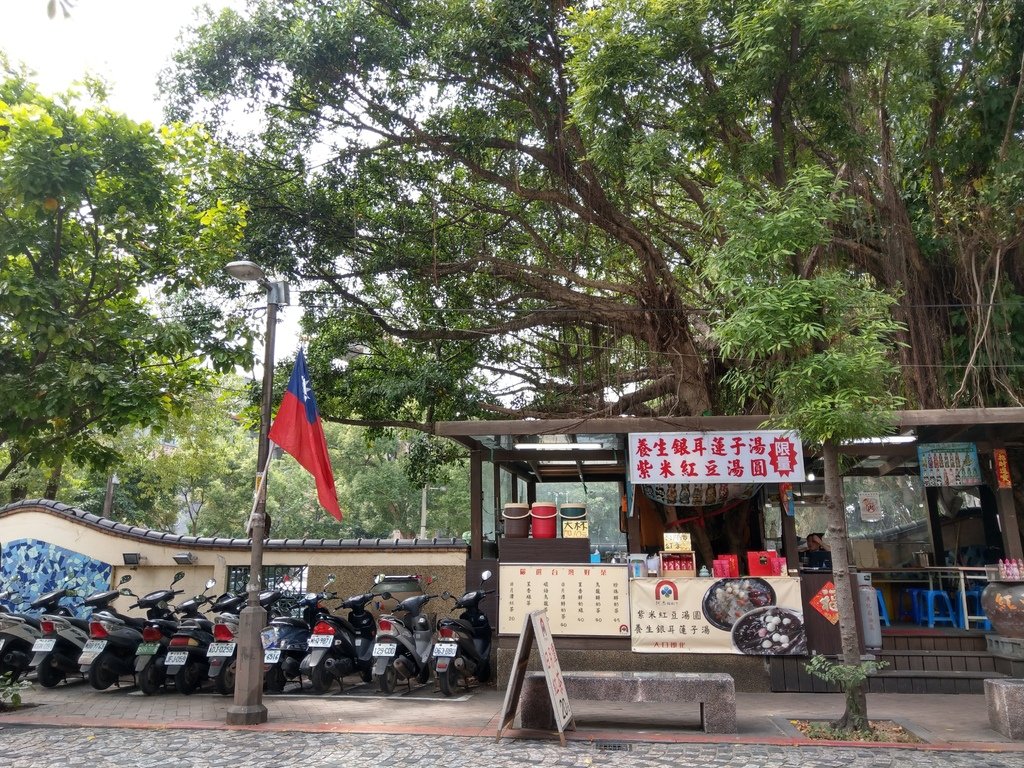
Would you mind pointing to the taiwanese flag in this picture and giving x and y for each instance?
(298, 430)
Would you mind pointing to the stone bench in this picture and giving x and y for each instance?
(1005, 699)
(714, 691)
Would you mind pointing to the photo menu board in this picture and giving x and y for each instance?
(580, 598)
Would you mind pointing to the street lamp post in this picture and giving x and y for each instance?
(248, 707)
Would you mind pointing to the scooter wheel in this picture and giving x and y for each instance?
(386, 680)
(187, 679)
(48, 675)
(224, 683)
(320, 678)
(100, 677)
(423, 675)
(152, 678)
(446, 680)
(273, 681)
(366, 675)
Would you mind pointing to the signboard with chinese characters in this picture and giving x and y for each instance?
(949, 465)
(575, 529)
(1002, 467)
(756, 616)
(580, 598)
(715, 457)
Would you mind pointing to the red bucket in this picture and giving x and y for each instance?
(545, 516)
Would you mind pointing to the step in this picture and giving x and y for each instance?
(930, 681)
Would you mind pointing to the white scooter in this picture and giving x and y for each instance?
(18, 633)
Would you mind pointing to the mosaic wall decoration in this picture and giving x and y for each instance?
(30, 568)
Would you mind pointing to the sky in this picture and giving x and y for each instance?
(126, 43)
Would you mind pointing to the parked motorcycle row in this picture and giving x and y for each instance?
(185, 645)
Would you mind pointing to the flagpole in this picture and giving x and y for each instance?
(247, 707)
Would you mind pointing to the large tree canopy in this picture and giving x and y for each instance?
(514, 207)
(110, 232)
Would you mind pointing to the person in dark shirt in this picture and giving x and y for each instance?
(818, 555)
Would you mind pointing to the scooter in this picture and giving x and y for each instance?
(285, 639)
(341, 646)
(64, 636)
(18, 633)
(186, 659)
(401, 649)
(222, 654)
(462, 650)
(150, 656)
(114, 637)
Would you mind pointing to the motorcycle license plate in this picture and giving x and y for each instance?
(320, 641)
(44, 644)
(176, 659)
(147, 649)
(272, 656)
(221, 649)
(446, 649)
(385, 649)
(91, 650)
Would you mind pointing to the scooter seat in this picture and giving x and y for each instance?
(32, 621)
(166, 626)
(82, 624)
(289, 621)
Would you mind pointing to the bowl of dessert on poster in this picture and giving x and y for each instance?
(749, 615)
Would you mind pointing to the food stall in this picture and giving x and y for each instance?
(616, 612)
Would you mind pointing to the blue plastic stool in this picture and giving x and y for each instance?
(975, 608)
(883, 612)
(911, 610)
(935, 606)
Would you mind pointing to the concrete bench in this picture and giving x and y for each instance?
(1005, 699)
(714, 691)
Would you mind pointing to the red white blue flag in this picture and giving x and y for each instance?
(299, 431)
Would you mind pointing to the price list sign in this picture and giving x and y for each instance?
(580, 598)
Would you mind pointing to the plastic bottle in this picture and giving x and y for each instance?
(595, 556)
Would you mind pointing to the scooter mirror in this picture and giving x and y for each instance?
(486, 576)
(125, 579)
(211, 583)
(330, 578)
(178, 577)
(446, 595)
(385, 595)
(126, 592)
(379, 578)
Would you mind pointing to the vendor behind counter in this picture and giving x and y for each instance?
(815, 554)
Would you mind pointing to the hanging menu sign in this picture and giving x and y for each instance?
(949, 465)
(580, 598)
(715, 457)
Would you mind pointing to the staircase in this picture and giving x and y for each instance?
(917, 661)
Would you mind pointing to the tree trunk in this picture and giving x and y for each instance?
(856, 715)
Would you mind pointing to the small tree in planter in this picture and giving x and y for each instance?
(809, 345)
(10, 691)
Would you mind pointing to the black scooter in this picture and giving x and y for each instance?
(462, 650)
(186, 659)
(285, 638)
(150, 656)
(64, 637)
(114, 637)
(222, 654)
(341, 646)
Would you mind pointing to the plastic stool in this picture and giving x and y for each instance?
(936, 606)
(883, 612)
(910, 611)
(975, 608)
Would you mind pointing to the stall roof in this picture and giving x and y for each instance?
(595, 449)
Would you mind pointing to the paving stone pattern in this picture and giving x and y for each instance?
(29, 746)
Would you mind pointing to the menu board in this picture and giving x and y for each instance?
(949, 465)
(580, 598)
(755, 616)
